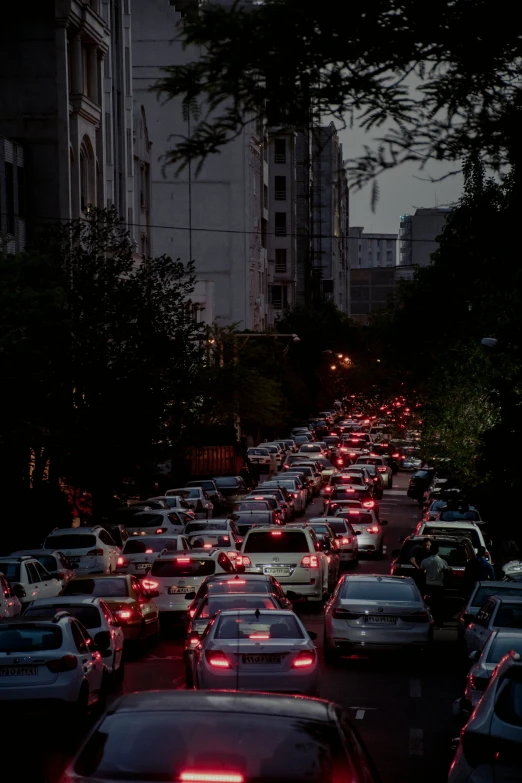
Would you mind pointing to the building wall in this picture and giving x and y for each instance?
(370, 250)
(12, 197)
(418, 234)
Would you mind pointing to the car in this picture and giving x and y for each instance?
(132, 604)
(274, 449)
(340, 493)
(325, 467)
(480, 593)
(227, 524)
(176, 576)
(160, 522)
(175, 503)
(95, 615)
(10, 605)
(382, 465)
(457, 552)
(216, 539)
(260, 457)
(374, 612)
(52, 560)
(305, 481)
(265, 650)
(89, 550)
(309, 470)
(223, 584)
(339, 482)
(326, 538)
(411, 462)
(371, 475)
(233, 489)
(312, 450)
(345, 538)
(273, 502)
(208, 609)
(498, 644)
(45, 663)
(248, 737)
(369, 530)
(247, 519)
(295, 489)
(419, 483)
(138, 554)
(498, 611)
(261, 504)
(197, 499)
(117, 531)
(490, 745)
(285, 503)
(463, 514)
(291, 555)
(29, 579)
(458, 529)
(213, 493)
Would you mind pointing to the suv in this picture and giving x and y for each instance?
(457, 529)
(29, 579)
(457, 552)
(89, 550)
(382, 465)
(292, 555)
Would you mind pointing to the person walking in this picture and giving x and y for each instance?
(478, 569)
(434, 567)
(419, 553)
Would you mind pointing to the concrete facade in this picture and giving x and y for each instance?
(12, 197)
(418, 235)
(218, 217)
(370, 250)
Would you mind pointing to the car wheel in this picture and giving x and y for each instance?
(331, 655)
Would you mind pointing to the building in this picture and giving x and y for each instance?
(66, 98)
(418, 235)
(12, 197)
(217, 217)
(370, 250)
(371, 289)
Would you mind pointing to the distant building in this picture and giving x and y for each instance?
(418, 235)
(370, 250)
(12, 197)
(371, 289)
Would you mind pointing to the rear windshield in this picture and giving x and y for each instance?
(255, 505)
(209, 540)
(248, 626)
(502, 646)
(26, 639)
(277, 541)
(483, 593)
(338, 526)
(144, 520)
(289, 484)
(105, 588)
(346, 493)
(11, 571)
(378, 591)
(263, 750)
(369, 461)
(138, 546)
(324, 463)
(454, 531)
(356, 517)
(71, 541)
(183, 566)
(89, 616)
(195, 527)
(211, 606)
(458, 516)
(258, 452)
(206, 485)
(353, 479)
(226, 482)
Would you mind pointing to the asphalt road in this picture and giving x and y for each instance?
(400, 704)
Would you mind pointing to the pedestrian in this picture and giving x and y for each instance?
(246, 476)
(478, 569)
(434, 567)
(419, 553)
(488, 572)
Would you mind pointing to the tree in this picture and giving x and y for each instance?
(305, 61)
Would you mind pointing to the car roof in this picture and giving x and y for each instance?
(33, 553)
(386, 579)
(67, 599)
(226, 701)
(458, 523)
(76, 530)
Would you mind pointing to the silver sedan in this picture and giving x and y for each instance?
(499, 643)
(372, 612)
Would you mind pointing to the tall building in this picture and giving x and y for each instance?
(12, 197)
(418, 235)
(219, 216)
(369, 250)
(66, 98)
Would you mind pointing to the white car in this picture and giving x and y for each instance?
(158, 522)
(10, 605)
(51, 660)
(369, 612)
(89, 550)
(345, 538)
(138, 554)
(498, 612)
(490, 745)
(265, 650)
(224, 540)
(175, 503)
(94, 614)
(459, 529)
(55, 562)
(197, 499)
(296, 491)
(369, 531)
(260, 457)
(290, 554)
(499, 644)
(177, 576)
(29, 579)
(480, 592)
(382, 468)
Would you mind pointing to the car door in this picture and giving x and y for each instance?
(33, 581)
(111, 551)
(90, 658)
(478, 631)
(10, 606)
(149, 608)
(116, 633)
(47, 586)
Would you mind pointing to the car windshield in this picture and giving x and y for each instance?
(253, 626)
(345, 493)
(183, 566)
(71, 541)
(324, 463)
(109, 587)
(11, 571)
(483, 593)
(460, 532)
(254, 505)
(137, 546)
(374, 590)
(264, 749)
(195, 527)
(25, 638)
(276, 541)
(210, 540)
(211, 606)
(289, 484)
(457, 516)
(357, 517)
(89, 616)
(502, 646)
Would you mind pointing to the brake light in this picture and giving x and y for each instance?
(396, 455)
(373, 529)
(243, 560)
(211, 777)
(95, 552)
(276, 533)
(343, 448)
(369, 503)
(310, 561)
(207, 546)
(354, 513)
(339, 461)
(305, 658)
(65, 664)
(149, 551)
(150, 584)
(161, 530)
(194, 640)
(381, 469)
(352, 454)
(183, 560)
(124, 614)
(236, 581)
(259, 636)
(191, 612)
(346, 540)
(345, 614)
(217, 659)
(328, 489)
(457, 571)
(122, 562)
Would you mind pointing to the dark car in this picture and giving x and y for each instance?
(232, 488)
(209, 485)
(340, 493)
(457, 552)
(419, 483)
(247, 519)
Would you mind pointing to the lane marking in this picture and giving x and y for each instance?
(416, 742)
(359, 715)
(415, 689)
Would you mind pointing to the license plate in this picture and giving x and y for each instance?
(261, 659)
(277, 571)
(142, 566)
(174, 590)
(373, 620)
(17, 671)
(74, 561)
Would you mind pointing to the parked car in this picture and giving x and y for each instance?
(479, 595)
(498, 644)
(89, 550)
(499, 611)
(457, 552)
(233, 489)
(419, 483)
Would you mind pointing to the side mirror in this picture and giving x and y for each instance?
(312, 635)
(395, 552)
(189, 596)
(384, 522)
(102, 640)
(152, 593)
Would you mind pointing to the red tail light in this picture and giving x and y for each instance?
(381, 469)
(161, 530)
(276, 533)
(344, 614)
(217, 659)
(305, 658)
(457, 571)
(328, 489)
(66, 664)
(183, 560)
(211, 777)
(95, 552)
(243, 560)
(122, 562)
(339, 461)
(395, 456)
(346, 540)
(236, 581)
(310, 561)
(373, 529)
(149, 551)
(150, 584)
(369, 503)
(124, 614)
(194, 640)
(191, 612)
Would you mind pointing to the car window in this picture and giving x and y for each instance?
(37, 638)
(210, 540)
(135, 546)
(104, 588)
(214, 604)
(89, 616)
(462, 532)
(11, 571)
(79, 640)
(105, 538)
(374, 590)
(277, 541)
(501, 646)
(483, 593)
(253, 626)
(144, 520)
(48, 562)
(508, 707)
(32, 574)
(338, 527)
(484, 614)
(458, 516)
(183, 566)
(71, 541)
(236, 585)
(43, 574)
(508, 616)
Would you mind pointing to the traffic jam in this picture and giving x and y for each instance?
(331, 615)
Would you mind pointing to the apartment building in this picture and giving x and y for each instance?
(371, 250)
(418, 235)
(12, 197)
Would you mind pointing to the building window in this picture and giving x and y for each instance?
(280, 188)
(127, 71)
(265, 196)
(278, 296)
(389, 256)
(86, 175)
(280, 151)
(130, 157)
(264, 224)
(280, 260)
(280, 224)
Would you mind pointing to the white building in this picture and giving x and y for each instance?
(369, 250)
(418, 235)
(219, 218)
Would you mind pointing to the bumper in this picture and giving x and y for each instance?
(166, 603)
(293, 681)
(342, 636)
(42, 694)
(369, 544)
(347, 555)
(131, 633)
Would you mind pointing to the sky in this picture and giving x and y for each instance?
(401, 192)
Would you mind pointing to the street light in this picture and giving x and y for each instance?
(333, 367)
